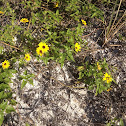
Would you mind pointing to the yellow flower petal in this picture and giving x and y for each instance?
(99, 67)
(107, 78)
(39, 51)
(44, 47)
(77, 47)
(56, 5)
(27, 57)
(5, 64)
(109, 89)
(83, 22)
(24, 20)
(1, 12)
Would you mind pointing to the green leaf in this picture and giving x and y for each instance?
(3, 74)
(25, 72)
(108, 124)
(6, 95)
(13, 71)
(9, 109)
(1, 49)
(31, 81)
(89, 74)
(62, 59)
(45, 60)
(13, 102)
(1, 78)
(33, 20)
(3, 105)
(1, 117)
(1, 94)
(70, 56)
(121, 123)
(20, 77)
(80, 68)
(4, 86)
(81, 75)
(7, 80)
(91, 87)
(57, 12)
(27, 124)
(23, 84)
(79, 29)
(95, 14)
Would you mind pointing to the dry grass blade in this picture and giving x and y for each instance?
(119, 27)
(115, 17)
(9, 45)
(110, 22)
(114, 28)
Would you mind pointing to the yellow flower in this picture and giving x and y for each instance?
(77, 47)
(5, 64)
(56, 5)
(99, 67)
(80, 68)
(24, 20)
(44, 47)
(83, 22)
(1, 12)
(39, 51)
(109, 89)
(27, 57)
(107, 78)
(42, 29)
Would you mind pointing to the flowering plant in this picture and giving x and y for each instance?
(51, 30)
(5, 64)
(24, 20)
(94, 76)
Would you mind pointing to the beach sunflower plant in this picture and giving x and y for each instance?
(96, 76)
(6, 100)
(43, 33)
(49, 30)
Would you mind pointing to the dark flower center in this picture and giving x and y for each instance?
(40, 51)
(4, 63)
(43, 47)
